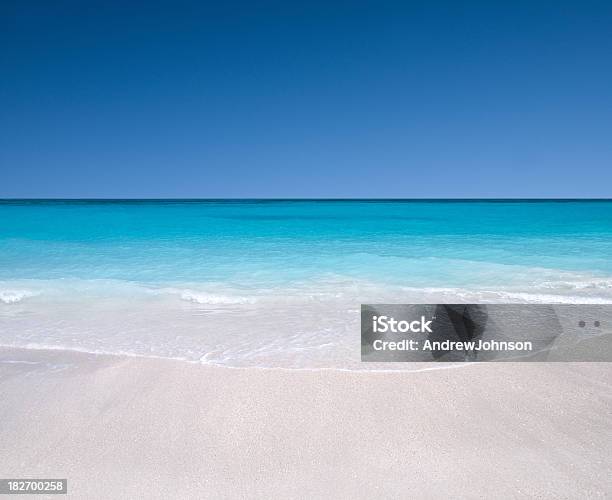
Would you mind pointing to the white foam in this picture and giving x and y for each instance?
(579, 285)
(208, 298)
(14, 296)
(204, 297)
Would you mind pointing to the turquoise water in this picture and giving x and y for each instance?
(194, 279)
(423, 242)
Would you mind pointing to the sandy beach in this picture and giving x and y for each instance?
(120, 427)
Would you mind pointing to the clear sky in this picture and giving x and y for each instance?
(306, 99)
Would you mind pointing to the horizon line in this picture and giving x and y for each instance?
(459, 199)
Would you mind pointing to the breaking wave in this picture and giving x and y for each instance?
(14, 296)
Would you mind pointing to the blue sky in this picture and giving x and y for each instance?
(312, 99)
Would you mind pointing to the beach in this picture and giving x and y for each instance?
(306, 250)
(213, 349)
(128, 427)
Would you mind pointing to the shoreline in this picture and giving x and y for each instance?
(117, 426)
(82, 355)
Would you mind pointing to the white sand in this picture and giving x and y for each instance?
(143, 428)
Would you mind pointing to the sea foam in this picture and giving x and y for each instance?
(14, 296)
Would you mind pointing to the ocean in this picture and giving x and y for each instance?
(278, 283)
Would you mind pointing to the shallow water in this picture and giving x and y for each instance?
(278, 283)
